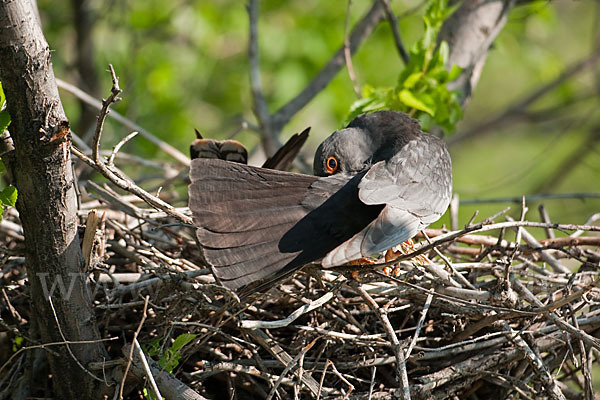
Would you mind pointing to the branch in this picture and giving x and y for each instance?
(393, 21)
(360, 32)
(469, 32)
(112, 174)
(520, 106)
(270, 136)
(164, 146)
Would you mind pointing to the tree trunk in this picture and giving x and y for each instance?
(42, 173)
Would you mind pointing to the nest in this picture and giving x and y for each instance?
(476, 315)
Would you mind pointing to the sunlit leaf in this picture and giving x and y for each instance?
(8, 196)
(4, 120)
(411, 100)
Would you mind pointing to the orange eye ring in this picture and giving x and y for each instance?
(331, 165)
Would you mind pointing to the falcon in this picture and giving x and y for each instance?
(377, 183)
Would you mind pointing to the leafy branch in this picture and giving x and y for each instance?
(421, 89)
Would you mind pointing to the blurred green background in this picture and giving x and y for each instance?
(183, 65)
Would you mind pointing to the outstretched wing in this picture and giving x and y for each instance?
(415, 185)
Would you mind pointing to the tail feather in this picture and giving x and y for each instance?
(241, 213)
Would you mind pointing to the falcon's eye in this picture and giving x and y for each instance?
(332, 165)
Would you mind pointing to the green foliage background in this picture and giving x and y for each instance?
(183, 64)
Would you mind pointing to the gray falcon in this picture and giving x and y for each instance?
(377, 183)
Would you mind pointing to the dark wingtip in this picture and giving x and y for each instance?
(198, 135)
(283, 158)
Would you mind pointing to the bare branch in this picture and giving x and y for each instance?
(347, 55)
(393, 21)
(164, 146)
(270, 136)
(360, 32)
(520, 106)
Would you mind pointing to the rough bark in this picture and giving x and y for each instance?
(470, 31)
(42, 173)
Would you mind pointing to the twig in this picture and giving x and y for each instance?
(537, 364)
(393, 21)
(420, 323)
(401, 374)
(118, 147)
(142, 358)
(347, 54)
(66, 343)
(130, 356)
(360, 32)
(289, 367)
(254, 324)
(164, 146)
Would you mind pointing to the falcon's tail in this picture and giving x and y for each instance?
(241, 213)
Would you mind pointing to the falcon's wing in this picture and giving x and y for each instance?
(256, 225)
(415, 186)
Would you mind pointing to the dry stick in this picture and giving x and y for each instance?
(116, 149)
(530, 297)
(116, 177)
(283, 357)
(254, 324)
(86, 98)
(446, 261)
(546, 256)
(584, 354)
(537, 364)
(289, 367)
(420, 323)
(130, 356)
(347, 55)
(593, 218)
(401, 373)
(546, 219)
(62, 335)
(142, 357)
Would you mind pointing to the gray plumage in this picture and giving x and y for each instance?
(256, 226)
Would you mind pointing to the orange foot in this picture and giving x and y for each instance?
(406, 247)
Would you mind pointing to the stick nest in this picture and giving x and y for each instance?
(493, 314)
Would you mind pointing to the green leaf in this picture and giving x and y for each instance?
(411, 100)
(444, 52)
(8, 196)
(4, 120)
(412, 79)
(454, 73)
(170, 359)
(2, 167)
(2, 97)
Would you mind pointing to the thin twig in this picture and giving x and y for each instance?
(130, 356)
(393, 21)
(118, 146)
(401, 374)
(347, 54)
(90, 100)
